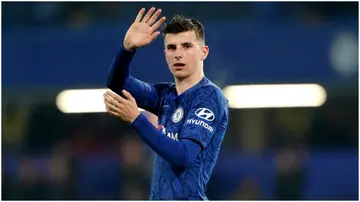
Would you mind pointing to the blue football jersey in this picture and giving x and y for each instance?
(199, 114)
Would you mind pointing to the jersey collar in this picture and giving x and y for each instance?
(188, 92)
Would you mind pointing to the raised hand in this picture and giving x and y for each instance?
(143, 30)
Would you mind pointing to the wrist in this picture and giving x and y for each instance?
(128, 47)
(135, 117)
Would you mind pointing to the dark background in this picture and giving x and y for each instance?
(277, 153)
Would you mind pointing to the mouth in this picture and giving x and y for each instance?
(179, 66)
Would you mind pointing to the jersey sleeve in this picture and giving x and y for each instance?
(147, 95)
(203, 118)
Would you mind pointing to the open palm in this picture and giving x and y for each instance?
(143, 31)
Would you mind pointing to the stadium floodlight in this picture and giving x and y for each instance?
(81, 101)
(275, 96)
(239, 96)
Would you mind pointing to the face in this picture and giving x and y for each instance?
(185, 54)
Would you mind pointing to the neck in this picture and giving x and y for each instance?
(184, 84)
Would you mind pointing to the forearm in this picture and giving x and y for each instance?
(119, 72)
(179, 153)
(119, 78)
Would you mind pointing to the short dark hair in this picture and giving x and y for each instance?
(180, 24)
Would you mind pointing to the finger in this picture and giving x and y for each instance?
(110, 100)
(158, 23)
(154, 35)
(112, 112)
(113, 107)
(110, 103)
(139, 15)
(148, 14)
(109, 109)
(116, 97)
(154, 17)
(128, 96)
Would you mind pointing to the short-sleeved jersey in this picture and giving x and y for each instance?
(199, 114)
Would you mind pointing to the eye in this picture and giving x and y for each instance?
(187, 46)
(171, 48)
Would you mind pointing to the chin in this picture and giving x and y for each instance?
(180, 75)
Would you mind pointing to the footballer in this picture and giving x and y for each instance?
(192, 112)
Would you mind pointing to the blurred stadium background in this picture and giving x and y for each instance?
(269, 153)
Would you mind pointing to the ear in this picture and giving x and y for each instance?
(205, 52)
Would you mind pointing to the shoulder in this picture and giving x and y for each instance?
(163, 88)
(209, 96)
(210, 92)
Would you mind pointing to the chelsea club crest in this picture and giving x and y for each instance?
(178, 115)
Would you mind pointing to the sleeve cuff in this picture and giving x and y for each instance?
(122, 49)
(139, 121)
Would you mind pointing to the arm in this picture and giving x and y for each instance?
(193, 137)
(118, 74)
(119, 78)
(179, 153)
(141, 33)
(206, 116)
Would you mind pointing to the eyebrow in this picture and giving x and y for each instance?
(187, 44)
(183, 44)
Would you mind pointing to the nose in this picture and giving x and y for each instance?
(178, 53)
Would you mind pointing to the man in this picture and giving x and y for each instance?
(192, 112)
